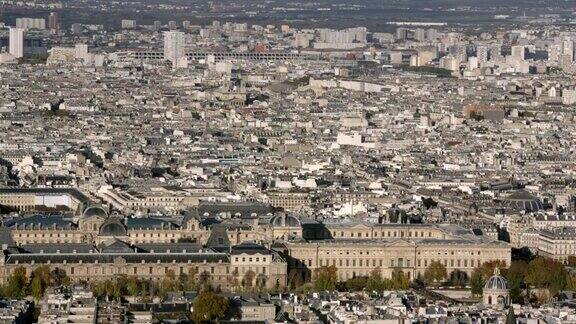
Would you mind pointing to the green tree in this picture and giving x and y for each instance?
(429, 203)
(133, 286)
(98, 288)
(326, 278)
(17, 283)
(209, 307)
(375, 281)
(476, 282)
(59, 277)
(458, 278)
(400, 280)
(356, 283)
(36, 289)
(435, 273)
(515, 275)
(511, 317)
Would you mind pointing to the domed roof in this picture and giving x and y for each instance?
(95, 211)
(113, 227)
(496, 282)
(285, 220)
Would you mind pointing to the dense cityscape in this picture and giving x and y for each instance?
(261, 162)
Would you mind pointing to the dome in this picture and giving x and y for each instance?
(95, 211)
(113, 227)
(285, 220)
(496, 282)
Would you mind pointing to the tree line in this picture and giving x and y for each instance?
(19, 285)
(326, 279)
(528, 281)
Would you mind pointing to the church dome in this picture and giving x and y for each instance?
(113, 227)
(496, 282)
(285, 220)
(95, 211)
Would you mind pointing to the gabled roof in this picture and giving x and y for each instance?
(115, 246)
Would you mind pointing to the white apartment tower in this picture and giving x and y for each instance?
(518, 52)
(16, 43)
(174, 45)
(482, 54)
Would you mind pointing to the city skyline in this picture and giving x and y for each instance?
(287, 162)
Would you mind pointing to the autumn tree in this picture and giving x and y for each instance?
(400, 280)
(205, 279)
(326, 278)
(571, 283)
(435, 273)
(261, 280)
(59, 277)
(169, 283)
(546, 273)
(40, 279)
(189, 281)
(295, 279)
(208, 307)
(17, 283)
(248, 279)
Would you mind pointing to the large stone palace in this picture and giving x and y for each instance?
(222, 242)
